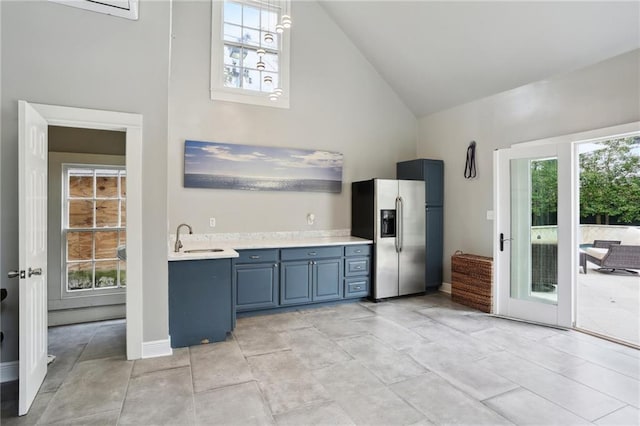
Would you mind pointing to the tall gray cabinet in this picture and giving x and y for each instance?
(432, 173)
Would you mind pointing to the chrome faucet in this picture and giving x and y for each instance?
(178, 245)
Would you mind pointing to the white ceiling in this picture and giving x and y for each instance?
(437, 55)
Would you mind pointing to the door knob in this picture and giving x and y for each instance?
(34, 271)
(13, 274)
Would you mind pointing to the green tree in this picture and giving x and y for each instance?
(610, 181)
(544, 192)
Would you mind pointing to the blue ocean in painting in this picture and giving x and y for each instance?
(259, 168)
(261, 184)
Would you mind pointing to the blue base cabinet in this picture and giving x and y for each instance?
(200, 301)
(256, 279)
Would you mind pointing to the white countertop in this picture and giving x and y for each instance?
(230, 246)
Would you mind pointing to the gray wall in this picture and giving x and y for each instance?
(55, 54)
(603, 95)
(338, 103)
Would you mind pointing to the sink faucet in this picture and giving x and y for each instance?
(178, 245)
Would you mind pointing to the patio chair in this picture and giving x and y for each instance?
(615, 257)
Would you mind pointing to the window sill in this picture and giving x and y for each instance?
(259, 100)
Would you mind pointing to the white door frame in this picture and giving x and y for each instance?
(568, 145)
(131, 124)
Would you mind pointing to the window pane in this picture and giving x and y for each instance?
(80, 214)
(79, 245)
(106, 186)
(79, 275)
(250, 59)
(81, 186)
(232, 12)
(250, 17)
(231, 76)
(123, 213)
(251, 79)
(271, 62)
(232, 55)
(232, 33)
(251, 37)
(123, 186)
(106, 245)
(106, 273)
(107, 213)
(123, 273)
(269, 20)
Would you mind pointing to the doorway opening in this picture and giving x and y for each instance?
(86, 222)
(608, 285)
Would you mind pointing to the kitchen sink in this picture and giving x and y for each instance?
(208, 250)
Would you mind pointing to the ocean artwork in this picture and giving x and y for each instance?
(260, 168)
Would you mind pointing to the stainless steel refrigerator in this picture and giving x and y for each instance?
(390, 212)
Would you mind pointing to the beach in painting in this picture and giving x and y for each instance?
(255, 168)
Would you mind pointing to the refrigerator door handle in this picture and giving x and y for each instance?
(397, 238)
(400, 219)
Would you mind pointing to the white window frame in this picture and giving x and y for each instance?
(218, 90)
(108, 7)
(93, 291)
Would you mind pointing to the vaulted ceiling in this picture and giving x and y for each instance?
(437, 55)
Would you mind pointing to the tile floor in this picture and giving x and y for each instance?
(415, 361)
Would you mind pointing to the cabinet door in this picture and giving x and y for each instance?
(256, 286)
(295, 282)
(327, 277)
(434, 179)
(200, 301)
(434, 247)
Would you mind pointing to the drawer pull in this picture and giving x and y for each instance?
(312, 253)
(359, 267)
(359, 251)
(254, 257)
(357, 287)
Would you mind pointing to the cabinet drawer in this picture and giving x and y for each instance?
(310, 252)
(356, 287)
(360, 250)
(356, 266)
(257, 256)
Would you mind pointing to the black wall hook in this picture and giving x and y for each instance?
(470, 165)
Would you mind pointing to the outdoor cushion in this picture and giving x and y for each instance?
(598, 253)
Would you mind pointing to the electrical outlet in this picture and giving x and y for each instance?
(212, 222)
(311, 219)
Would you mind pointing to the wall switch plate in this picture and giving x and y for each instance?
(489, 214)
(212, 222)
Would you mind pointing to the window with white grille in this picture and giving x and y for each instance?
(94, 226)
(249, 58)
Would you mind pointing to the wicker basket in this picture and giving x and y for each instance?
(471, 281)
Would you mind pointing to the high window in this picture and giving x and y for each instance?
(94, 226)
(249, 57)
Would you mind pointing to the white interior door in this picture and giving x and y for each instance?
(534, 233)
(32, 207)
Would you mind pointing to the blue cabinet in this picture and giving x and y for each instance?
(200, 301)
(316, 278)
(295, 282)
(256, 279)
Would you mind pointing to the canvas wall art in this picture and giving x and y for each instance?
(260, 168)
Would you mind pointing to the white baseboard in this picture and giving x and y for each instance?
(8, 371)
(445, 288)
(156, 348)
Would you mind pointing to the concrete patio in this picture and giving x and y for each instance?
(609, 304)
